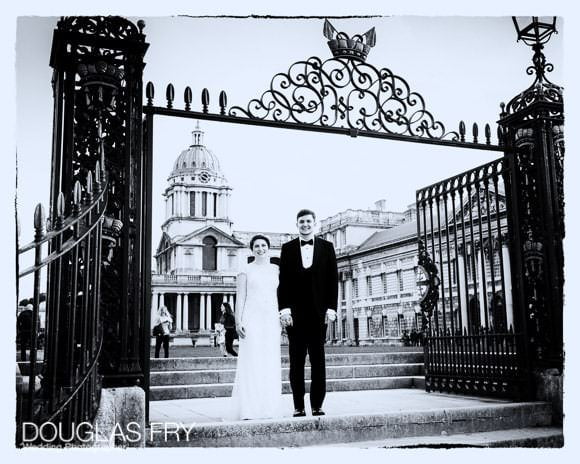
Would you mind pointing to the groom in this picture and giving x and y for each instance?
(307, 296)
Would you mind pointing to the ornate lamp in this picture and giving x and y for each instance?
(535, 30)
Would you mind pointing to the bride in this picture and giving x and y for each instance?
(257, 391)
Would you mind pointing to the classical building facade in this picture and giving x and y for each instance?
(199, 253)
(379, 299)
(376, 253)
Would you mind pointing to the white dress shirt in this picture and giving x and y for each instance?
(307, 252)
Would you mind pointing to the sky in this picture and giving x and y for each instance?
(463, 68)
(464, 63)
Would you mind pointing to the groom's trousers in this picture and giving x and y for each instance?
(303, 340)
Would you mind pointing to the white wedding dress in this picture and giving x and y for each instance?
(257, 391)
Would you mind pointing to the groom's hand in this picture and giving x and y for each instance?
(331, 315)
(286, 317)
(241, 331)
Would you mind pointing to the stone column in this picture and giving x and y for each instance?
(339, 311)
(162, 299)
(463, 291)
(227, 207)
(209, 311)
(202, 325)
(507, 291)
(178, 320)
(349, 312)
(186, 311)
(198, 204)
(154, 306)
(481, 285)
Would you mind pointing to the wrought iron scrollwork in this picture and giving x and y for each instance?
(429, 299)
(112, 27)
(541, 90)
(345, 93)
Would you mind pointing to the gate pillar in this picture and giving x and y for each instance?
(97, 81)
(532, 125)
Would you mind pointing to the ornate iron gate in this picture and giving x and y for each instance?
(490, 243)
(485, 310)
(468, 309)
(95, 306)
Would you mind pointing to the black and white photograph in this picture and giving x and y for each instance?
(319, 231)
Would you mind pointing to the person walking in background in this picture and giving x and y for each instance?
(221, 338)
(228, 320)
(161, 329)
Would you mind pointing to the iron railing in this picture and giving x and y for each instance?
(69, 256)
(468, 311)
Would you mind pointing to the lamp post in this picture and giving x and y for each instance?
(533, 122)
(536, 32)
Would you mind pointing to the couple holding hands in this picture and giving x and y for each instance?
(301, 295)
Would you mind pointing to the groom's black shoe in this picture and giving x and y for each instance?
(317, 412)
(299, 413)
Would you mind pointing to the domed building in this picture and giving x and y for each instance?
(199, 254)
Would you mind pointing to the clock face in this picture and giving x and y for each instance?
(204, 177)
(423, 282)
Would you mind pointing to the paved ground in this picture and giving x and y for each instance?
(203, 351)
(204, 410)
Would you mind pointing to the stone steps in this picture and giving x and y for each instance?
(529, 437)
(211, 377)
(358, 428)
(173, 392)
(207, 363)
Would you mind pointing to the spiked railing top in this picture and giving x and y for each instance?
(63, 220)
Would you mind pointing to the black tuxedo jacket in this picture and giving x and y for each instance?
(325, 277)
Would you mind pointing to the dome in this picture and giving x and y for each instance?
(196, 158)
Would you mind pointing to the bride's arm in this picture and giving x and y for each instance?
(240, 303)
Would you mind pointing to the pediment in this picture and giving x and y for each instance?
(476, 208)
(196, 237)
(164, 243)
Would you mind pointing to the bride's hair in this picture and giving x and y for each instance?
(259, 237)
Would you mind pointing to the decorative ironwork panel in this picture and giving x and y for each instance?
(467, 306)
(63, 381)
(533, 123)
(343, 94)
(98, 64)
(347, 93)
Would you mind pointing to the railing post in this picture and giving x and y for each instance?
(532, 123)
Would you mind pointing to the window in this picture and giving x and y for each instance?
(209, 258)
(215, 205)
(172, 205)
(384, 282)
(369, 327)
(400, 280)
(369, 285)
(385, 325)
(342, 291)
(204, 204)
(355, 288)
(192, 203)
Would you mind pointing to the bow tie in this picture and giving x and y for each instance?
(306, 242)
